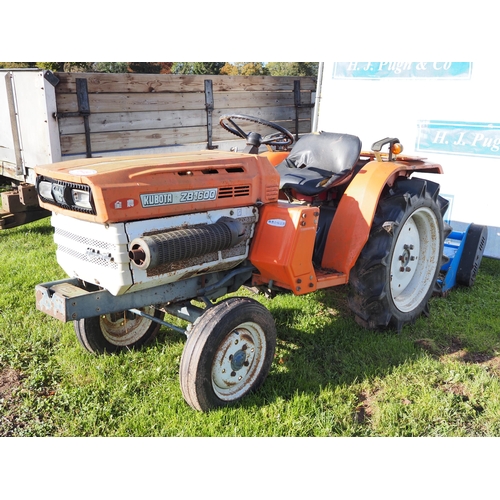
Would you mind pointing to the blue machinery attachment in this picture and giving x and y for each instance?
(464, 251)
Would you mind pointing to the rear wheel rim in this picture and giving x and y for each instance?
(415, 258)
(238, 361)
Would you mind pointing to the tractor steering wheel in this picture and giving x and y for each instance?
(282, 137)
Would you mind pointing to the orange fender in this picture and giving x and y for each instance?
(351, 225)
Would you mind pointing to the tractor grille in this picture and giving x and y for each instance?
(83, 240)
(90, 257)
(88, 250)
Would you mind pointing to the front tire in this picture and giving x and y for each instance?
(118, 331)
(228, 353)
(397, 270)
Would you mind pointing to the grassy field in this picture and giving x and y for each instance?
(330, 377)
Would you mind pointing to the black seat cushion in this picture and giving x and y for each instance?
(318, 160)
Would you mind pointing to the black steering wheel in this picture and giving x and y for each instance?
(281, 138)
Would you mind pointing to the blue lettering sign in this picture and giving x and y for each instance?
(459, 138)
(378, 70)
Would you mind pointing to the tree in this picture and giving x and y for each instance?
(229, 69)
(197, 68)
(17, 65)
(150, 67)
(180, 68)
(244, 68)
(293, 68)
(51, 66)
(76, 67)
(111, 67)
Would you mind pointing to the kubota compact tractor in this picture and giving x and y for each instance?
(142, 236)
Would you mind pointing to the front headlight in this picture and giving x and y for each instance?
(59, 194)
(81, 198)
(45, 190)
(66, 195)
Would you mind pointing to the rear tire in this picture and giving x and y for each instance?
(228, 353)
(397, 270)
(118, 331)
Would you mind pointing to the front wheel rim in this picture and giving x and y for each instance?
(238, 361)
(125, 329)
(415, 259)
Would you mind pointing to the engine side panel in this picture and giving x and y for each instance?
(197, 266)
(99, 253)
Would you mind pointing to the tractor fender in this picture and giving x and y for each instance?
(353, 219)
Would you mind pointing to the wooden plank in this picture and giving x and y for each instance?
(116, 103)
(237, 100)
(11, 202)
(28, 195)
(115, 141)
(9, 220)
(154, 83)
(23, 198)
(141, 120)
(112, 122)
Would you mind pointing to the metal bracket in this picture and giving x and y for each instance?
(209, 105)
(51, 78)
(157, 320)
(298, 104)
(377, 147)
(82, 97)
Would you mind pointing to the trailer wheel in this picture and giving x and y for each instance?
(397, 270)
(472, 254)
(228, 353)
(117, 331)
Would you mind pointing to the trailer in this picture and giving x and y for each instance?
(28, 137)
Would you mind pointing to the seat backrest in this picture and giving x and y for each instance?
(328, 153)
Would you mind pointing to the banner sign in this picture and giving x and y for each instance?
(459, 138)
(378, 70)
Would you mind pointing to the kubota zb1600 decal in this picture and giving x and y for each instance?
(174, 198)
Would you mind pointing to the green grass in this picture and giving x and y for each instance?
(330, 377)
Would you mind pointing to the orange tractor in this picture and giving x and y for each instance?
(145, 236)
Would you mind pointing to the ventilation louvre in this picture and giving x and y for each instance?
(234, 191)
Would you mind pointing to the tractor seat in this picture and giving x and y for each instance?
(318, 161)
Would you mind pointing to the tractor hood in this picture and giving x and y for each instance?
(125, 188)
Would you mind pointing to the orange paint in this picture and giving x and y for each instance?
(283, 245)
(354, 217)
